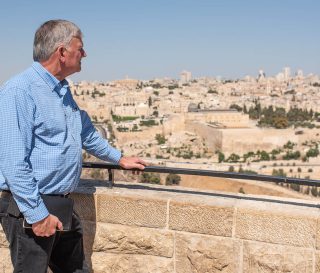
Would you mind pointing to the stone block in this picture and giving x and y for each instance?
(200, 253)
(5, 261)
(110, 263)
(200, 218)
(3, 239)
(317, 269)
(127, 210)
(268, 258)
(84, 205)
(318, 235)
(128, 240)
(276, 227)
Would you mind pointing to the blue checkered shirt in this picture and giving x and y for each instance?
(42, 135)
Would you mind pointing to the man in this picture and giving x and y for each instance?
(42, 134)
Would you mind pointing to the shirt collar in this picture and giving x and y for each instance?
(53, 83)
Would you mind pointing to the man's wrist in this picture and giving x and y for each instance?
(36, 214)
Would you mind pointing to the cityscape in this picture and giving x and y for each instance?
(259, 124)
(209, 87)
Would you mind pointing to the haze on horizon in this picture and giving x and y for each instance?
(153, 39)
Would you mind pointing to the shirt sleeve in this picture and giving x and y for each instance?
(17, 133)
(94, 143)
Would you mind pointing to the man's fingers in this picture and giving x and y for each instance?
(47, 227)
(59, 225)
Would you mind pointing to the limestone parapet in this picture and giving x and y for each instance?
(152, 228)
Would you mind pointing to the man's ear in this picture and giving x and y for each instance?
(61, 53)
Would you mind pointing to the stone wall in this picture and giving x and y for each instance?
(230, 119)
(212, 137)
(140, 228)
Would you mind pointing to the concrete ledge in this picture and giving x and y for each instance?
(129, 240)
(201, 218)
(128, 210)
(258, 257)
(152, 228)
(130, 263)
(5, 261)
(196, 253)
(267, 226)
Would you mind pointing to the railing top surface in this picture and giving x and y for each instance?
(211, 173)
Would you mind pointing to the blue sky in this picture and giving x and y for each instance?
(145, 39)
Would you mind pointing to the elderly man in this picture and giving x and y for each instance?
(42, 134)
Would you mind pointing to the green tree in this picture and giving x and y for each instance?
(236, 107)
(152, 178)
(278, 172)
(292, 155)
(173, 179)
(314, 191)
(221, 157)
(289, 145)
(150, 102)
(160, 138)
(233, 158)
(264, 156)
(280, 122)
(312, 152)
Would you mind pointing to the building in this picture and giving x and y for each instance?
(286, 73)
(185, 77)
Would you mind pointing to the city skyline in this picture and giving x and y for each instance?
(146, 40)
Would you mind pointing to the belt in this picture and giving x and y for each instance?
(66, 195)
(4, 193)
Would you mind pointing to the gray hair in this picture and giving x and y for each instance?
(52, 34)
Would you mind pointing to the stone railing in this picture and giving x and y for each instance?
(141, 228)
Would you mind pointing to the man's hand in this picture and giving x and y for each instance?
(132, 163)
(47, 226)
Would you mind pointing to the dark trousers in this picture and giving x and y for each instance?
(62, 252)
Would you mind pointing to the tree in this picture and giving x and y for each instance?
(314, 191)
(289, 145)
(280, 122)
(236, 107)
(312, 152)
(247, 155)
(161, 139)
(233, 158)
(152, 178)
(150, 102)
(221, 157)
(279, 172)
(291, 155)
(173, 179)
(264, 156)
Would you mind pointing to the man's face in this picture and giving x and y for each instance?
(73, 55)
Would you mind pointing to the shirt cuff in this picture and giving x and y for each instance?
(114, 155)
(36, 214)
